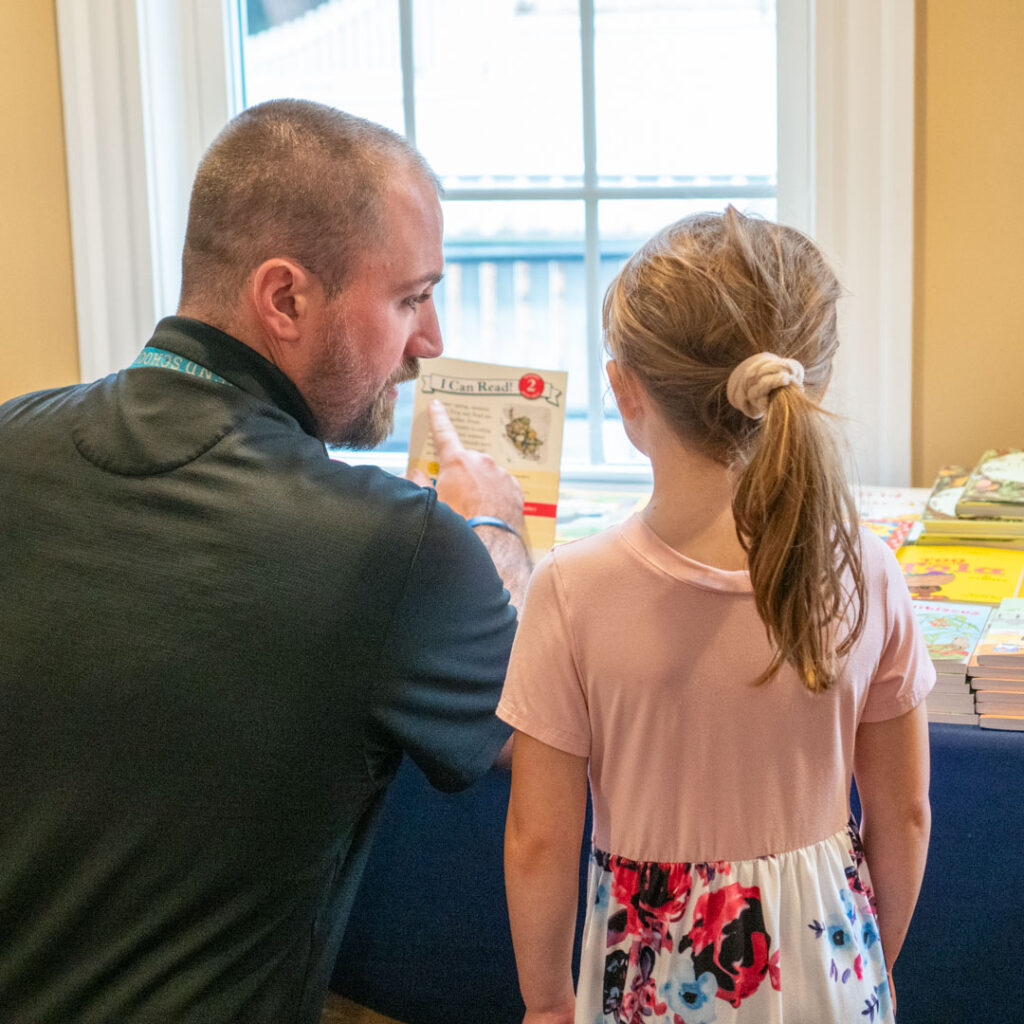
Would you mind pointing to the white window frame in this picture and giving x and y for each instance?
(147, 84)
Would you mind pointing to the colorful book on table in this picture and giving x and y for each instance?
(893, 531)
(583, 511)
(995, 487)
(945, 493)
(995, 677)
(1002, 643)
(890, 502)
(963, 574)
(951, 632)
(941, 524)
(516, 414)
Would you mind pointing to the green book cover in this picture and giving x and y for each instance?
(995, 486)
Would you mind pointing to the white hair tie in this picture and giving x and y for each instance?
(753, 380)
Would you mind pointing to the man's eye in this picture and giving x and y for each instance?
(417, 300)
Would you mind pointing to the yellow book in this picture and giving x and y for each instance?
(515, 413)
(975, 574)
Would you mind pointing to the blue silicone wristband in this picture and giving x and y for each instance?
(476, 521)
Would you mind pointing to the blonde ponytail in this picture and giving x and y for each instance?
(700, 298)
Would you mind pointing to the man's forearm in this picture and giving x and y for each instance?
(510, 559)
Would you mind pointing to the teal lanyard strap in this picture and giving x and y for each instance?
(162, 360)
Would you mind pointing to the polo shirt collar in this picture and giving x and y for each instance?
(235, 362)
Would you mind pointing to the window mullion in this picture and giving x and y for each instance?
(592, 245)
(405, 30)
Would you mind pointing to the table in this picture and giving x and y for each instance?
(428, 941)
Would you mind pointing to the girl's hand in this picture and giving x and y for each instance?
(563, 1015)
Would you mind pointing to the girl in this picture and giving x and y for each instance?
(723, 663)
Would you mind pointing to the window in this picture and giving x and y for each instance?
(147, 83)
(565, 133)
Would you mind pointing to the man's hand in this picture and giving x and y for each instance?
(471, 482)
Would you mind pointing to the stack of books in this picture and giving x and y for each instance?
(996, 668)
(982, 507)
(952, 632)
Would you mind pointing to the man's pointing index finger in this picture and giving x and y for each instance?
(446, 437)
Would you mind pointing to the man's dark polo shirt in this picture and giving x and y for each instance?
(215, 644)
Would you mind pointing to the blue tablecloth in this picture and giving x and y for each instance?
(428, 941)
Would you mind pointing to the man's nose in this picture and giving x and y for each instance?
(427, 342)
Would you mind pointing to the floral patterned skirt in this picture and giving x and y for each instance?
(789, 938)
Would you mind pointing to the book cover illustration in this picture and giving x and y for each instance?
(585, 511)
(895, 532)
(951, 632)
(945, 493)
(890, 502)
(514, 413)
(972, 574)
(996, 485)
(1002, 643)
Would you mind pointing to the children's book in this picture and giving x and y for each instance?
(951, 703)
(945, 493)
(1002, 527)
(583, 511)
(995, 687)
(973, 574)
(945, 718)
(890, 502)
(993, 677)
(950, 684)
(1002, 643)
(995, 486)
(1013, 723)
(1000, 703)
(983, 539)
(514, 413)
(893, 531)
(951, 632)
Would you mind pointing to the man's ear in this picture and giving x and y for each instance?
(284, 295)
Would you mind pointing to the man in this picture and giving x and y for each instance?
(218, 642)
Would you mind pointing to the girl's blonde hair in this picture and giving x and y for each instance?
(697, 299)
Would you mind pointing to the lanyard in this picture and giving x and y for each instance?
(163, 360)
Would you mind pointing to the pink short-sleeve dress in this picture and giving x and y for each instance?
(727, 882)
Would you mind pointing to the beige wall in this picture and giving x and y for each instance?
(969, 246)
(968, 383)
(38, 345)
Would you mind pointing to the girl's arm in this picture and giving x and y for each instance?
(891, 766)
(543, 834)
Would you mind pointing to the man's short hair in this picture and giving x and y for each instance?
(288, 178)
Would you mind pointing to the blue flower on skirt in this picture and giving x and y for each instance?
(692, 998)
(848, 908)
(869, 936)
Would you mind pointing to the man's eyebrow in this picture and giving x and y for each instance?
(422, 282)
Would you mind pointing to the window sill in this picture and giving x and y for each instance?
(571, 473)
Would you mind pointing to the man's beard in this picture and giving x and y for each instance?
(374, 424)
(349, 412)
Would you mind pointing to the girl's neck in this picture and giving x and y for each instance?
(691, 506)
